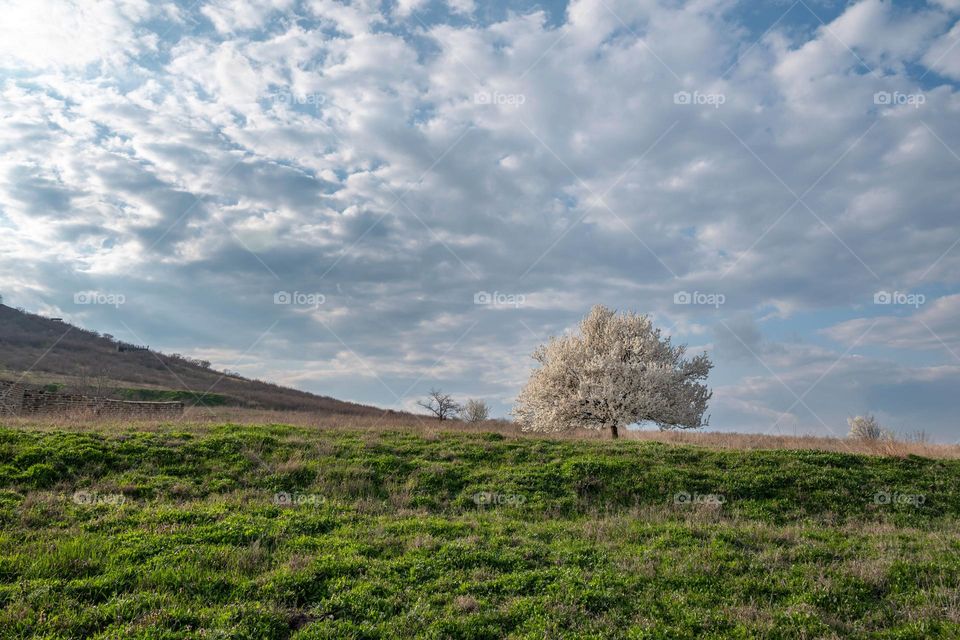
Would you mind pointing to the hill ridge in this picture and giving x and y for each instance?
(35, 349)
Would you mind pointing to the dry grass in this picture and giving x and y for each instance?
(750, 441)
(199, 419)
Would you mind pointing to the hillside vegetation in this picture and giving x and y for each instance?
(239, 531)
(34, 349)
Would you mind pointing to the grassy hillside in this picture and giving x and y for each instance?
(42, 351)
(278, 532)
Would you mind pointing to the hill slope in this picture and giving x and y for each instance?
(42, 350)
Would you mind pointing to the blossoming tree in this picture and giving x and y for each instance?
(616, 371)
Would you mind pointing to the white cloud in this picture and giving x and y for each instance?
(75, 33)
(944, 54)
(406, 7)
(932, 326)
(229, 16)
(952, 5)
(814, 391)
(399, 168)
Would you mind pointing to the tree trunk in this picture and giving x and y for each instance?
(614, 432)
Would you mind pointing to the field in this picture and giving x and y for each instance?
(207, 530)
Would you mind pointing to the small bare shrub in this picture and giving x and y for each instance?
(475, 411)
(867, 428)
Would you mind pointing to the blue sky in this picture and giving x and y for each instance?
(324, 193)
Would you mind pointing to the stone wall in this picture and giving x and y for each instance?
(17, 399)
(11, 398)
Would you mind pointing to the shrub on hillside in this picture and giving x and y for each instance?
(474, 411)
(867, 428)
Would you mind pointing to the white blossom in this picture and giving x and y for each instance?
(616, 371)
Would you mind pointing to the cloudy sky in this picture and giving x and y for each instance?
(368, 199)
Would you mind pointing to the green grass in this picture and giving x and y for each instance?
(206, 399)
(181, 534)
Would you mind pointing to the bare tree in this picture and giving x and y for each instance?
(440, 404)
(95, 381)
(475, 411)
(616, 371)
